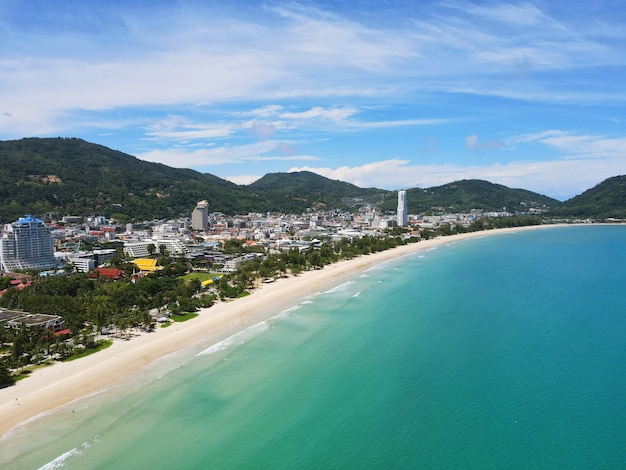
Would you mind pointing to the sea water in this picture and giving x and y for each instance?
(501, 352)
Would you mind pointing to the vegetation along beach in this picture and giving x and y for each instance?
(312, 234)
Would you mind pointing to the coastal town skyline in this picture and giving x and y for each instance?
(528, 95)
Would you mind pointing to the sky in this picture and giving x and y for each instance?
(390, 94)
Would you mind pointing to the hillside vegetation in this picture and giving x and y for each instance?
(52, 177)
(465, 195)
(71, 176)
(605, 200)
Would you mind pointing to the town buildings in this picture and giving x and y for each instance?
(85, 243)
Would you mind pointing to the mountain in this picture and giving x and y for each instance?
(464, 195)
(299, 190)
(68, 176)
(605, 200)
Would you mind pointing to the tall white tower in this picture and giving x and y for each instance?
(402, 209)
(200, 217)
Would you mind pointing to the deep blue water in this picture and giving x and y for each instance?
(501, 352)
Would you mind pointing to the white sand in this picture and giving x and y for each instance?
(50, 387)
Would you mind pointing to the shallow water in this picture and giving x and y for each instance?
(500, 352)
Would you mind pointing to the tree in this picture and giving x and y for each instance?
(151, 249)
(6, 378)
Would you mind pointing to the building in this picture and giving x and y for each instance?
(85, 261)
(402, 209)
(200, 217)
(139, 249)
(21, 320)
(27, 245)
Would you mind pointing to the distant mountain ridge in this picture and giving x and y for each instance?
(69, 176)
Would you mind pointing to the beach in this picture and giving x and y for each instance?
(50, 387)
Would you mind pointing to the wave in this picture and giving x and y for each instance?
(237, 339)
(340, 288)
(243, 336)
(59, 462)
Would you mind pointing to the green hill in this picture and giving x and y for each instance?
(294, 192)
(464, 195)
(605, 200)
(71, 176)
(59, 176)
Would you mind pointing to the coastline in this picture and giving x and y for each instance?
(51, 387)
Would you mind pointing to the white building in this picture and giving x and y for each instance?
(85, 261)
(139, 249)
(402, 209)
(200, 217)
(27, 245)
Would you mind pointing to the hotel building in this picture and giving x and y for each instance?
(27, 245)
(200, 217)
(402, 209)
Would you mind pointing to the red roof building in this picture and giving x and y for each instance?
(110, 273)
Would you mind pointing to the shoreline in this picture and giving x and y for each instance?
(51, 387)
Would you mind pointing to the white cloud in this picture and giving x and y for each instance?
(242, 179)
(210, 132)
(317, 112)
(173, 57)
(522, 14)
(587, 146)
(473, 143)
(267, 111)
(184, 157)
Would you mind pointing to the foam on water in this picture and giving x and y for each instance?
(62, 459)
(505, 352)
(237, 339)
(340, 288)
(242, 337)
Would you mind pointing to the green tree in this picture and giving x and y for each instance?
(151, 249)
(6, 377)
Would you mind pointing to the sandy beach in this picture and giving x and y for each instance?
(50, 387)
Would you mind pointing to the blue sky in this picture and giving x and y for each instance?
(388, 94)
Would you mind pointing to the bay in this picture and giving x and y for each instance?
(500, 352)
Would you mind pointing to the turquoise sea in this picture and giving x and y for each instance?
(503, 352)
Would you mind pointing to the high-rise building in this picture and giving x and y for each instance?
(200, 217)
(27, 245)
(402, 209)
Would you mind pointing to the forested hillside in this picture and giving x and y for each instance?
(464, 195)
(71, 176)
(605, 200)
(53, 177)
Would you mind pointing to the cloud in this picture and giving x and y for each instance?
(270, 110)
(242, 179)
(586, 146)
(167, 57)
(473, 143)
(283, 158)
(318, 112)
(185, 157)
(261, 129)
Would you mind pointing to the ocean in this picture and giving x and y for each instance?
(505, 351)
